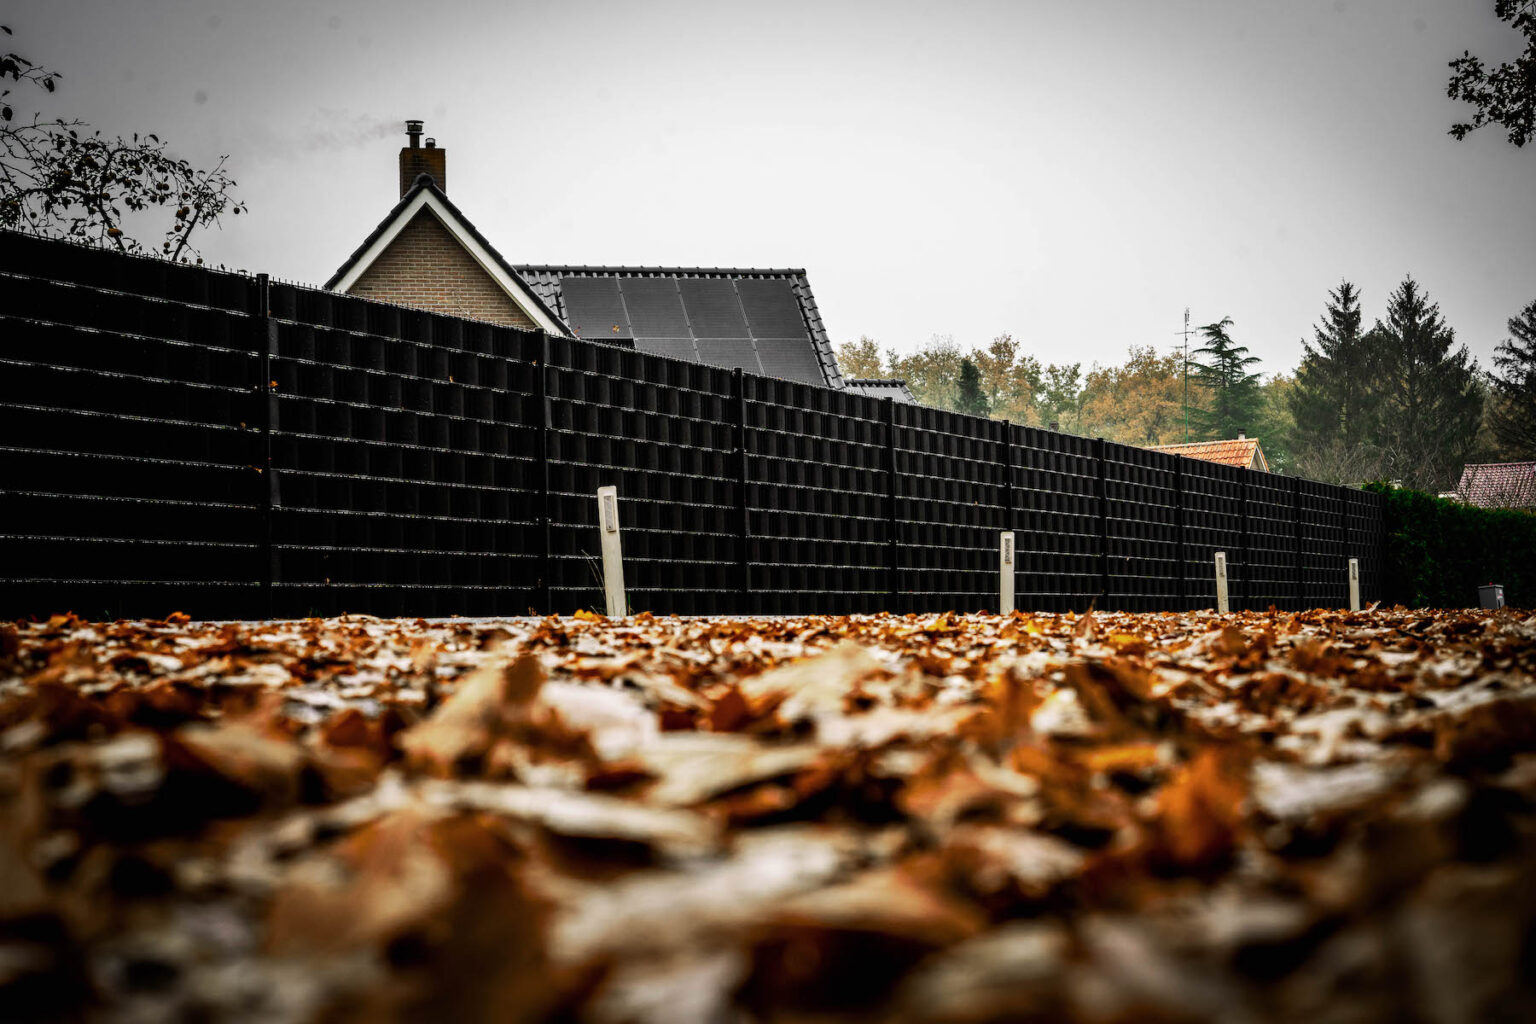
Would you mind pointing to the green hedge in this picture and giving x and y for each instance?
(1439, 551)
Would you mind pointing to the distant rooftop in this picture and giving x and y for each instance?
(1498, 484)
(878, 387)
(1242, 452)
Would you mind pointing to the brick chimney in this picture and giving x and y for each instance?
(417, 159)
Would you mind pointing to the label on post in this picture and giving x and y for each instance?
(1005, 575)
(609, 498)
(613, 555)
(1221, 582)
(1354, 584)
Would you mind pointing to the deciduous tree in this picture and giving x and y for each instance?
(1503, 95)
(1140, 401)
(932, 372)
(61, 179)
(1009, 378)
(860, 360)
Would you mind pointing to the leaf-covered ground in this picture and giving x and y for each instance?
(1319, 816)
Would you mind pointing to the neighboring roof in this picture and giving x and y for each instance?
(1242, 452)
(764, 321)
(425, 195)
(1498, 484)
(877, 387)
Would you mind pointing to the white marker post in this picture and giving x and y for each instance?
(1221, 582)
(1354, 584)
(613, 555)
(1005, 575)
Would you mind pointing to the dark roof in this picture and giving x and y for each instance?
(424, 182)
(1498, 484)
(878, 387)
(764, 321)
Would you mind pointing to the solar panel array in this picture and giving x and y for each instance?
(755, 324)
(175, 437)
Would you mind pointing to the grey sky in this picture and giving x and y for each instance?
(1072, 173)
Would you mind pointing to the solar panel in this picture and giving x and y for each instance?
(593, 307)
(772, 309)
(730, 353)
(655, 307)
(673, 348)
(713, 308)
(791, 359)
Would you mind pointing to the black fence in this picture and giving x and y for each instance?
(174, 437)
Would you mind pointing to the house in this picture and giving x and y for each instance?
(882, 387)
(426, 253)
(1242, 451)
(1497, 485)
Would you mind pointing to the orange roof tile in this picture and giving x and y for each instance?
(1239, 452)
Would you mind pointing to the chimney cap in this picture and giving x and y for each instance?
(1242, 435)
(413, 131)
(431, 143)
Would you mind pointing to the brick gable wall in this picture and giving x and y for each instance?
(427, 268)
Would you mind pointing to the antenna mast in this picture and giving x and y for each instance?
(1185, 332)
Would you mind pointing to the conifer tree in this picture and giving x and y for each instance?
(1234, 398)
(1332, 401)
(970, 397)
(1431, 395)
(1512, 412)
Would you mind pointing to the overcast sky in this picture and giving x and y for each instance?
(1073, 173)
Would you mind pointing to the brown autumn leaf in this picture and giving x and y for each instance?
(494, 705)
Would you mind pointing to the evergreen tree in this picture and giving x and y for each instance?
(1431, 397)
(1332, 400)
(1234, 398)
(1512, 412)
(970, 397)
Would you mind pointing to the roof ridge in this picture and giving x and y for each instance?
(545, 268)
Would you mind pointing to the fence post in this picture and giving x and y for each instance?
(743, 519)
(541, 400)
(1354, 584)
(1180, 520)
(1223, 602)
(1101, 495)
(613, 553)
(1354, 573)
(1005, 570)
(1301, 586)
(892, 567)
(266, 347)
(1008, 510)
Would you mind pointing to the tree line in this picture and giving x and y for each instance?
(1398, 401)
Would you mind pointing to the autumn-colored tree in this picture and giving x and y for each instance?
(1009, 378)
(1138, 402)
(860, 360)
(932, 372)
